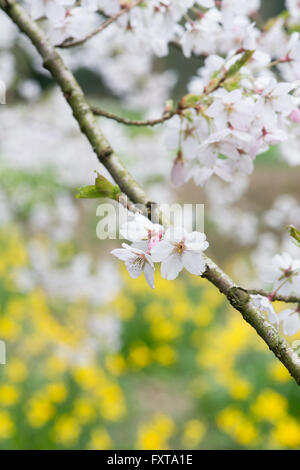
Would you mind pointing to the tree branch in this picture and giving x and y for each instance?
(67, 43)
(131, 122)
(238, 297)
(273, 296)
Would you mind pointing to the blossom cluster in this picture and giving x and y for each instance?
(151, 243)
(232, 122)
(284, 276)
(231, 127)
(154, 24)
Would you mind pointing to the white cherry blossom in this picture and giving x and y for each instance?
(178, 250)
(290, 320)
(275, 98)
(201, 36)
(264, 304)
(54, 10)
(294, 9)
(290, 66)
(232, 108)
(140, 229)
(283, 273)
(137, 261)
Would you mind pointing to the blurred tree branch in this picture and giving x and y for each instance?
(70, 43)
(131, 122)
(238, 297)
(273, 296)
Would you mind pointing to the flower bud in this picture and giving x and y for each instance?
(179, 170)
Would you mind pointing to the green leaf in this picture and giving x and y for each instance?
(88, 192)
(169, 106)
(232, 83)
(235, 68)
(190, 100)
(101, 189)
(106, 188)
(295, 233)
(294, 28)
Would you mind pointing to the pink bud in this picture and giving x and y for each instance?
(295, 115)
(179, 170)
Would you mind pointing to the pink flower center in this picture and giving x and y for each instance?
(154, 238)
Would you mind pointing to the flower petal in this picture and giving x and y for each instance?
(161, 251)
(135, 267)
(171, 267)
(149, 275)
(123, 254)
(194, 263)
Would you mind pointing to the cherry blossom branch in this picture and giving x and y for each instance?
(273, 296)
(67, 43)
(238, 297)
(132, 122)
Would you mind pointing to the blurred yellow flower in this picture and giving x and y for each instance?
(240, 389)
(182, 309)
(6, 425)
(193, 433)
(54, 366)
(154, 312)
(112, 404)
(287, 432)
(40, 412)
(16, 254)
(115, 364)
(16, 371)
(9, 395)
(164, 424)
(66, 430)
(56, 392)
(227, 418)
(10, 329)
(167, 330)
(212, 298)
(90, 377)
(16, 308)
(203, 315)
(245, 433)
(140, 355)
(125, 307)
(100, 440)
(269, 406)
(166, 289)
(237, 425)
(83, 411)
(279, 373)
(165, 355)
(155, 434)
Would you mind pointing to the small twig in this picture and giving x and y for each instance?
(132, 122)
(273, 297)
(67, 43)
